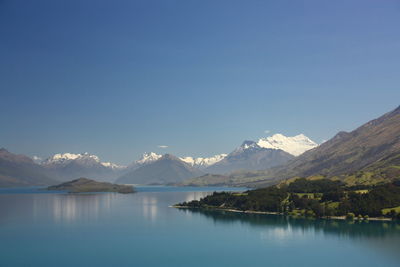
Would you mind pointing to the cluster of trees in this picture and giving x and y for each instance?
(266, 199)
(295, 197)
(303, 185)
(371, 203)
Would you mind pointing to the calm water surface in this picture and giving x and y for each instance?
(38, 228)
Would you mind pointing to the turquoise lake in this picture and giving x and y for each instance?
(38, 228)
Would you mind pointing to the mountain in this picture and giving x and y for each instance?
(67, 166)
(267, 152)
(295, 145)
(368, 155)
(147, 158)
(165, 170)
(20, 170)
(202, 163)
(250, 156)
(84, 159)
(370, 150)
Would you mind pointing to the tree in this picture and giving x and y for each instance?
(350, 216)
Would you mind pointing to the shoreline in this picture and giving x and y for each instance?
(282, 214)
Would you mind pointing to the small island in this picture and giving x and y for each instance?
(84, 185)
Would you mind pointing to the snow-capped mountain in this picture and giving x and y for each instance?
(165, 170)
(250, 156)
(65, 158)
(265, 153)
(113, 166)
(295, 145)
(150, 157)
(68, 166)
(84, 159)
(203, 162)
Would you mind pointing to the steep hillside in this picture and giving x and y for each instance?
(20, 170)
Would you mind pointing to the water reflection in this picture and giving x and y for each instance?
(129, 229)
(59, 208)
(68, 208)
(149, 207)
(341, 228)
(383, 236)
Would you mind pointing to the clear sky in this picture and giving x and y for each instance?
(118, 78)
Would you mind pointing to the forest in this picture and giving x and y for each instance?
(315, 198)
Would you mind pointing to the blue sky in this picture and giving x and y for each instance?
(118, 78)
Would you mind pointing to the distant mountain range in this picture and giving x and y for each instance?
(266, 153)
(200, 163)
(368, 155)
(165, 170)
(68, 166)
(260, 155)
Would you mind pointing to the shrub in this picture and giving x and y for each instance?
(350, 216)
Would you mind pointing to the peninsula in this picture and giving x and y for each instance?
(318, 197)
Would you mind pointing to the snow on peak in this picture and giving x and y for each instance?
(112, 165)
(148, 157)
(248, 144)
(294, 145)
(37, 159)
(68, 157)
(65, 158)
(203, 162)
